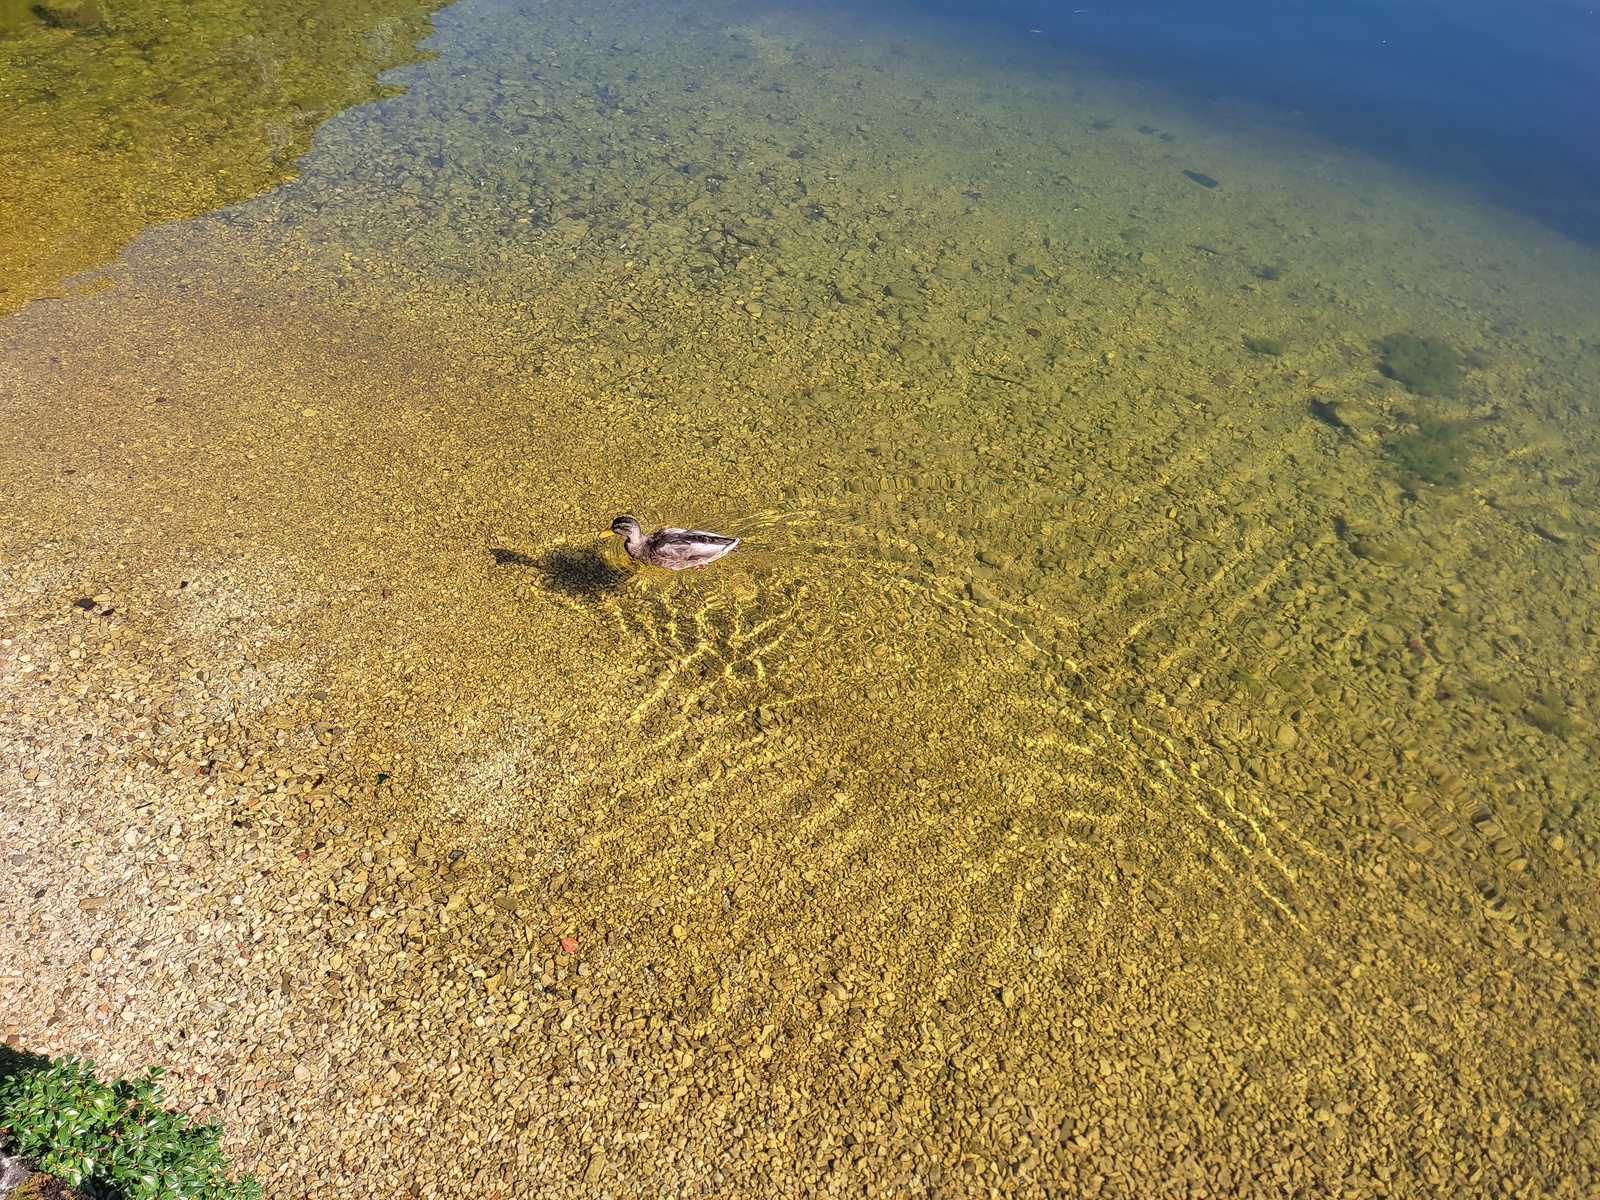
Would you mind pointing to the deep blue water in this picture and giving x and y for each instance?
(1504, 96)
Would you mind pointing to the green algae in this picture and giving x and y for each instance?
(119, 117)
(1435, 452)
(1427, 366)
(1548, 712)
(1507, 695)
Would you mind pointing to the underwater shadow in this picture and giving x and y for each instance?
(511, 558)
(580, 573)
(1326, 414)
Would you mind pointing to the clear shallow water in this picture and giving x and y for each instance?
(1501, 97)
(1114, 641)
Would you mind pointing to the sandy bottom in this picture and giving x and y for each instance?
(1117, 761)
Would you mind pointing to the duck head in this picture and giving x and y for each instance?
(628, 530)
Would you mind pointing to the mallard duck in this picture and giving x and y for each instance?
(671, 548)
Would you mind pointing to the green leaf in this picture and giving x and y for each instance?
(114, 1140)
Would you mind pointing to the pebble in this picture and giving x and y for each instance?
(983, 594)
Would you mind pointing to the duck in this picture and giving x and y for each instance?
(672, 548)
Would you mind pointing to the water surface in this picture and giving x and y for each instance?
(1502, 98)
(1146, 734)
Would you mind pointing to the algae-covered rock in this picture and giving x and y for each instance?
(71, 14)
(1360, 419)
(1264, 345)
(1507, 695)
(1549, 713)
(1383, 551)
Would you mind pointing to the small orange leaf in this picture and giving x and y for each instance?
(569, 945)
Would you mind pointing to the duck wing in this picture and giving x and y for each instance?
(693, 535)
(678, 548)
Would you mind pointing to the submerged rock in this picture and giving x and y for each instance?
(1382, 551)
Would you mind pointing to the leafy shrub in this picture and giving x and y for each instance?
(113, 1141)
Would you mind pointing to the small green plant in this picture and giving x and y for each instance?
(113, 1141)
(1427, 366)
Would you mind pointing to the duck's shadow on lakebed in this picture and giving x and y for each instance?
(581, 573)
